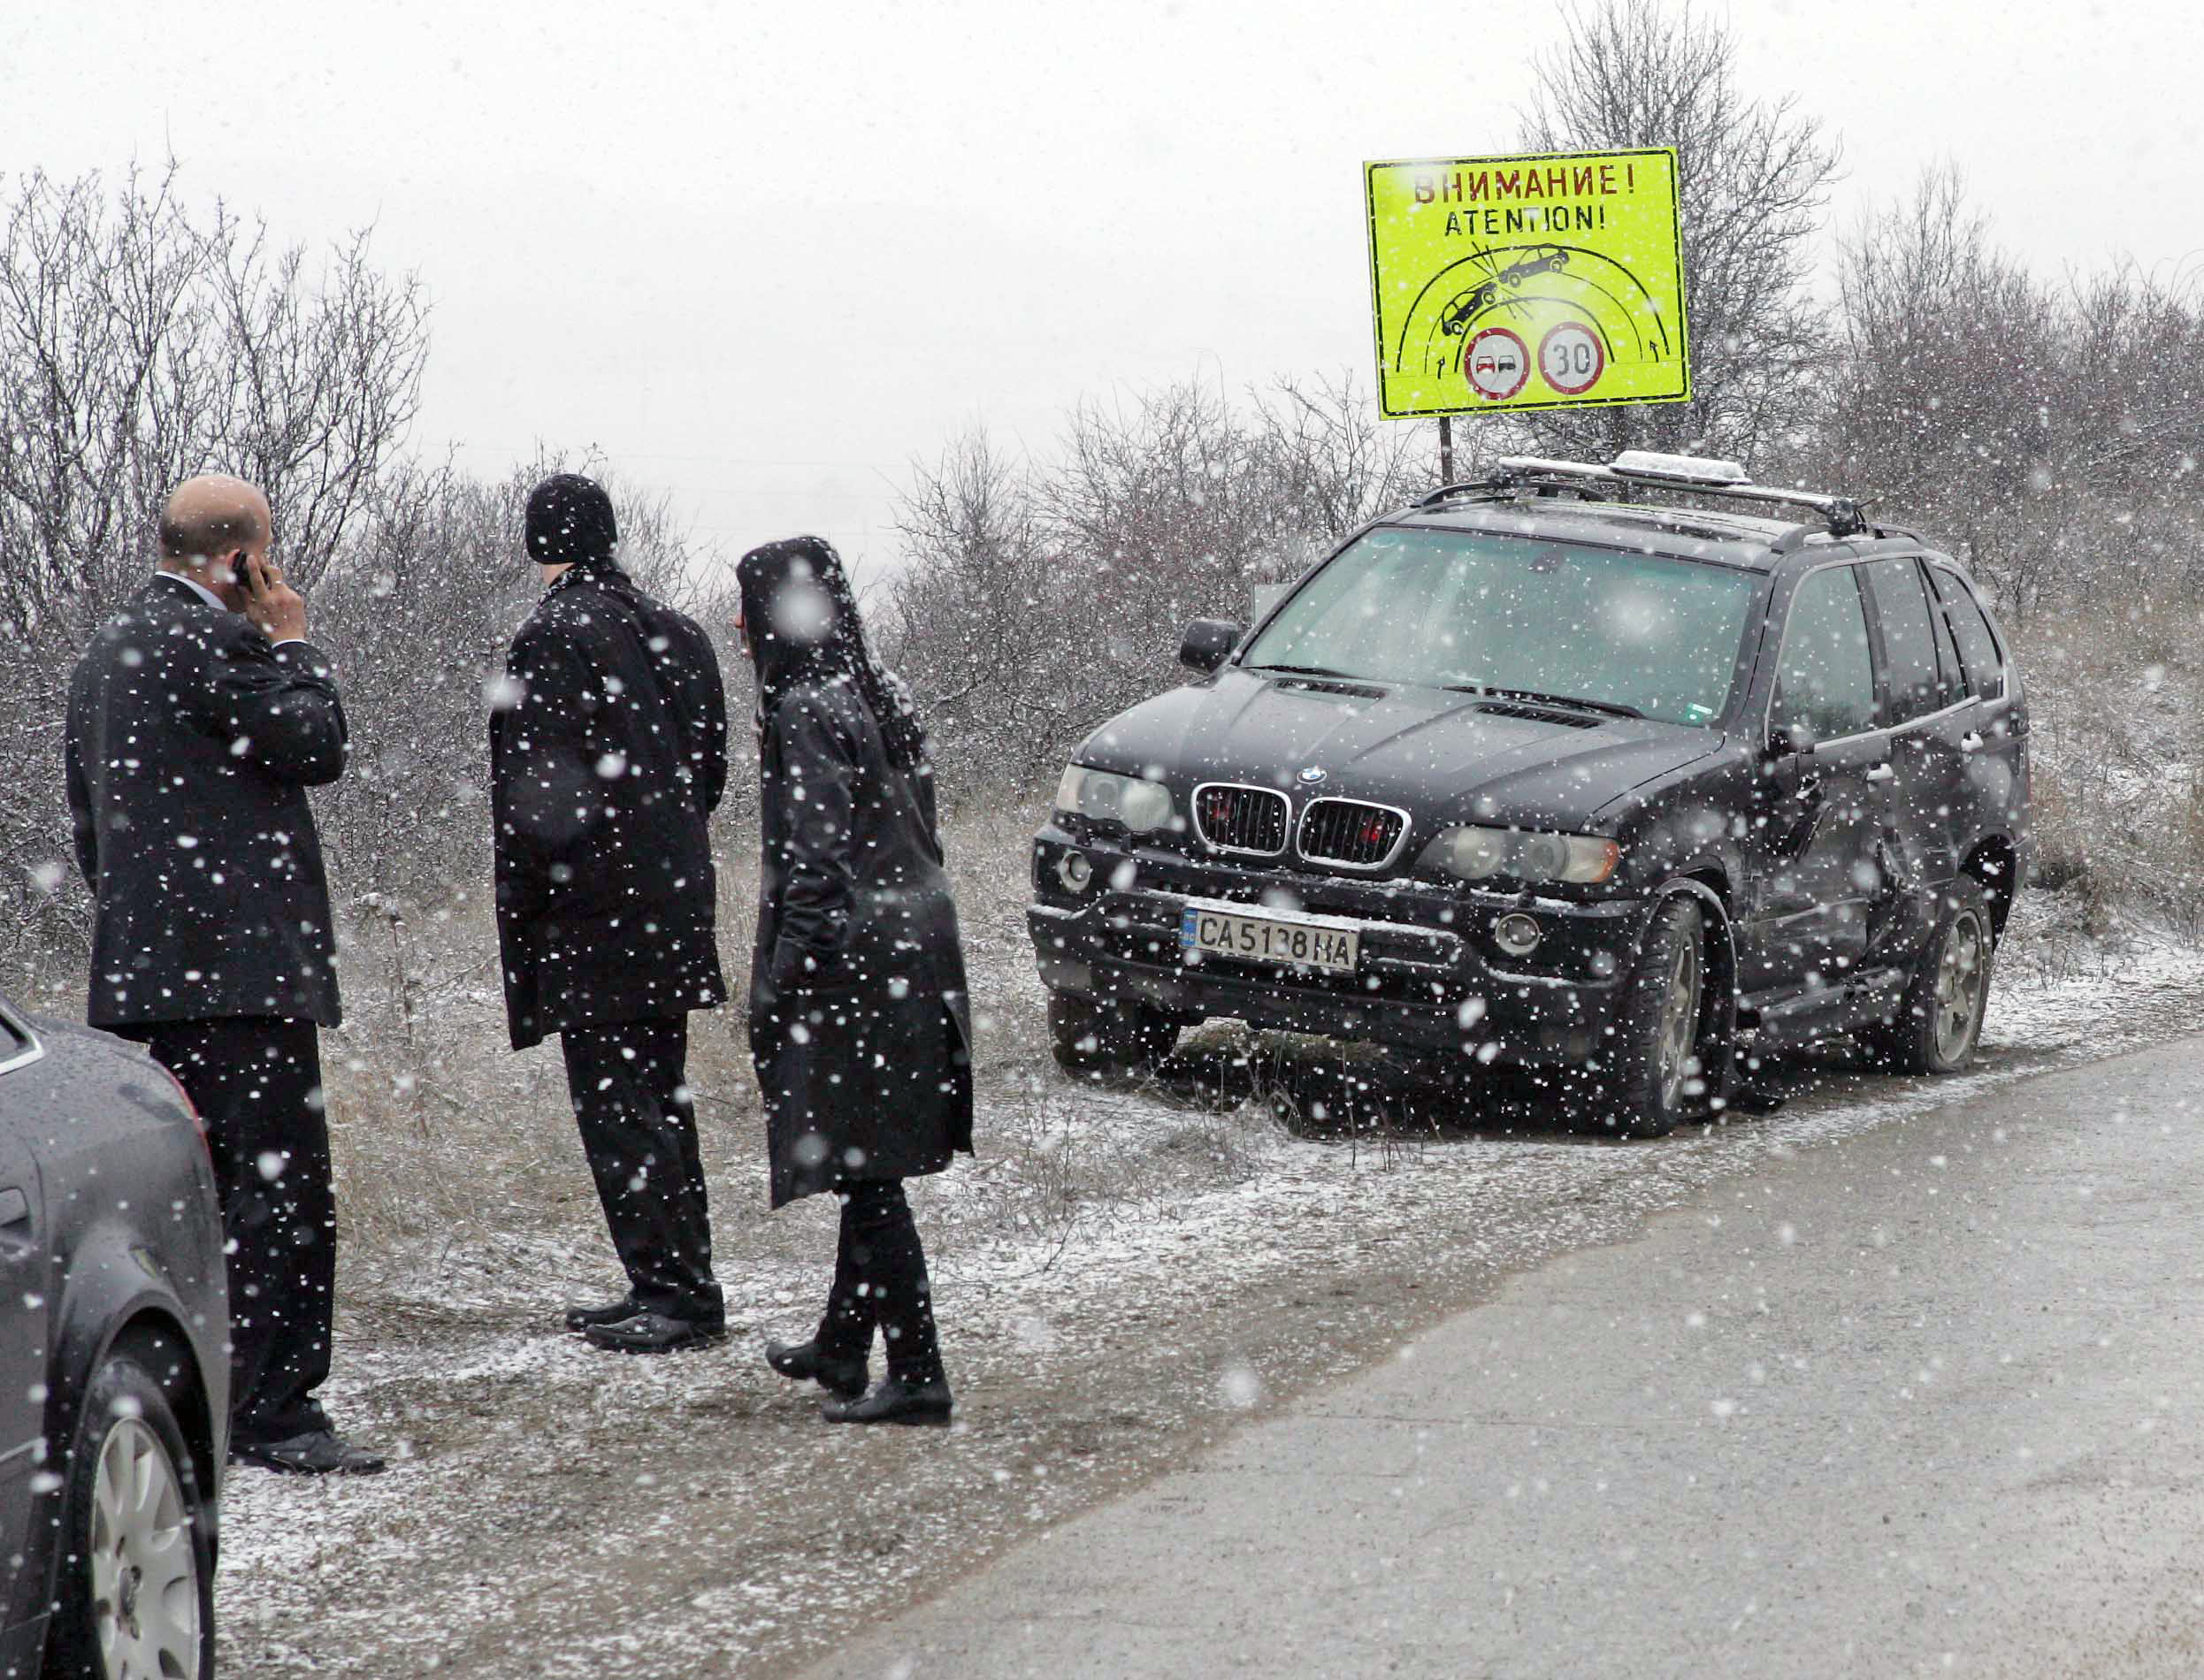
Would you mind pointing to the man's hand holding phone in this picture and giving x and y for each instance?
(279, 609)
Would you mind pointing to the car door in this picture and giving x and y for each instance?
(26, 1312)
(1930, 715)
(1996, 726)
(1818, 881)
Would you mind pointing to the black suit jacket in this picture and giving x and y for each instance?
(607, 754)
(191, 743)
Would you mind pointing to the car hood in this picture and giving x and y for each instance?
(1444, 757)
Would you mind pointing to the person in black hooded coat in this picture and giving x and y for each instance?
(607, 756)
(860, 1026)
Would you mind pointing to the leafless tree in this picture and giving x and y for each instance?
(140, 343)
(2049, 431)
(1754, 175)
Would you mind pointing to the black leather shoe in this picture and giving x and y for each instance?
(580, 1319)
(894, 1402)
(318, 1452)
(801, 1361)
(653, 1332)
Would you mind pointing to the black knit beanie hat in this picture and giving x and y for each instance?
(570, 523)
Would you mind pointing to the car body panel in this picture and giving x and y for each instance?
(1445, 755)
(130, 1240)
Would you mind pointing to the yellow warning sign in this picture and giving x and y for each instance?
(1546, 281)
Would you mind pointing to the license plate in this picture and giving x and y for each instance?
(1266, 939)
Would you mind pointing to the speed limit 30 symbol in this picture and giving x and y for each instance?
(1571, 358)
(1496, 363)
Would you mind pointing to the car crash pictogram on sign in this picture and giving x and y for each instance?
(1577, 253)
(1496, 363)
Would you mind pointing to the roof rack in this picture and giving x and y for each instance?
(1643, 469)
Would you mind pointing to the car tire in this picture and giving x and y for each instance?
(1654, 1078)
(1095, 1040)
(133, 1591)
(1938, 1023)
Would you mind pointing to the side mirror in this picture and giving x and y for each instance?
(1208, 642)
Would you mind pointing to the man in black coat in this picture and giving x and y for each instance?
(198, 717)
(607, 756)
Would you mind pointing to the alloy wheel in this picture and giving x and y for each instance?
(145, 1570)
(1962, 988)
(1680, 1023)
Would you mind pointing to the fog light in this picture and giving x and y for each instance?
(1517, 935)
(1075, 872)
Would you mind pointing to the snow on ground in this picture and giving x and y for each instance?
(557, 1511)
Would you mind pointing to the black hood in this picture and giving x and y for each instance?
(1444, 757)
(800, 616)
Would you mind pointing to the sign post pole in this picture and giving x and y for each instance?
(1446, 449)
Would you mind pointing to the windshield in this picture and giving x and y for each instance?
(1475, 609)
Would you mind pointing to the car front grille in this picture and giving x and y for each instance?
(1237, 819)
(1352, 834)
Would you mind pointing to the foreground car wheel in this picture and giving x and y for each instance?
(1939, 1024)
(136, 1593)
(1655, 1078)
(1094, 1040)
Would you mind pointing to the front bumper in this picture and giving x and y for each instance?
(1430, 978)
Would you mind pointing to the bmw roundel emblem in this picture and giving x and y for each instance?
(1311, 776)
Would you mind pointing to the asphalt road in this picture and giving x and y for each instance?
(1929, 1401)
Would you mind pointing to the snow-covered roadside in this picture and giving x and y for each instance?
(560, 1512)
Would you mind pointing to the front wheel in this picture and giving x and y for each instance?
(135, 1592)
(1939, 1024)
(1653, 1076)
(1095, 1040)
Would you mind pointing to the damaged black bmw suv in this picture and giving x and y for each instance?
(1561, 769)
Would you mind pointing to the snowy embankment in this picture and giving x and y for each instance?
(1165, 1260)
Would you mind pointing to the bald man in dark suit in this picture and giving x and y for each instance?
(198, 717)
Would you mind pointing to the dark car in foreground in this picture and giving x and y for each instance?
(1564, 769)
(114, 1369)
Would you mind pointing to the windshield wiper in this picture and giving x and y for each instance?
(1612, 708)
(1305, 670)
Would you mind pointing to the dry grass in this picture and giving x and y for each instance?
(2117, 700)
(450, 1147)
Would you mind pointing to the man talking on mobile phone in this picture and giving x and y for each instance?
(198, 717)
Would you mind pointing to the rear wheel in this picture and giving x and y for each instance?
(1095, 1040)
(1653, 1076)
(136, 1590)
(1940, 1022)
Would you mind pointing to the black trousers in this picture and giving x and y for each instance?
(629, 1082)
(256, 1083)
(880, 1279)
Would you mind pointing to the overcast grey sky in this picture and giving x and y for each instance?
(764, 254)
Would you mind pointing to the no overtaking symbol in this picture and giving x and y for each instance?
(1496, 363)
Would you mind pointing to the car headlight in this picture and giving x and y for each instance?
(1474, 853)
(1142, 805)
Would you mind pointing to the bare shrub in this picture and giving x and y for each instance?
(2050, 434)
(1035, 600)
(2118, 755)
